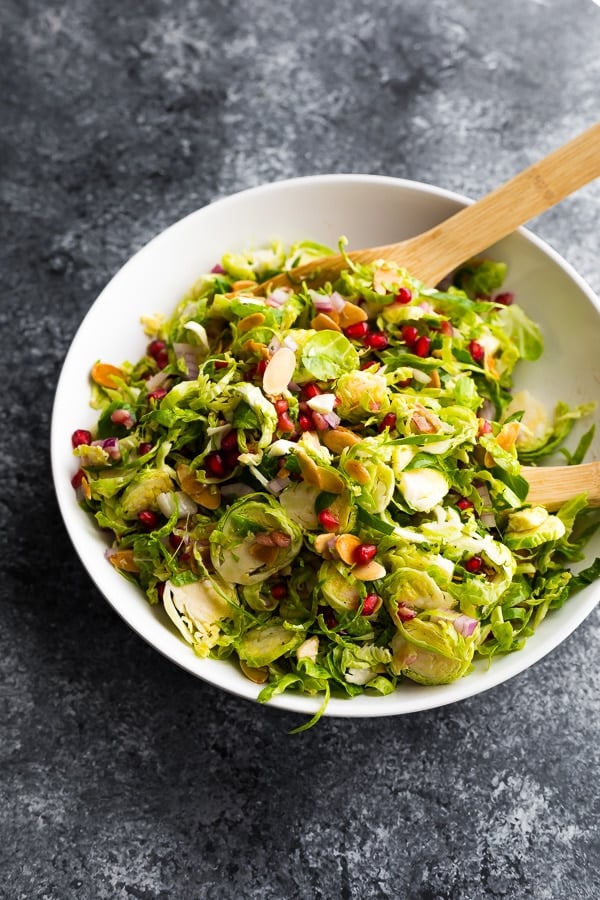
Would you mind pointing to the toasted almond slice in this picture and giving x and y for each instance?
(243, 284)
(308, 468)
(323, 322)
(369, 572)
(259, 349)
(264, 554)
(506, 439)
(434, 379)
(249, 322)
(279, 371)
(104, 374)
(338, 439)
(257, 675)
(323, 544)
(86, 489)
(345, 546)
(123, 560)
(385, 279)
(357, 471)
(206, 495)
(351, 314)
(330, 481)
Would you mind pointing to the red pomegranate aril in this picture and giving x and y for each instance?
(230, 441)
(148, 519)
(162, 359)
(409, 334)
(485, 427)
(403, 296)
(155, 348)
(507, 298)
(364, 553)
(158, 394)
(215, 464)
(81, 436)
(370, 364)
(220, 364)
(388, 421)
(474, 564)
(260, 368)
(370, 604)
(377, 340)
(231, 460)
(311, 390)
(328, 520)
(77, 478)
(305, 422)
(356, 331)
(145, 447)
(446, 328)
(464, 504)
(422, 346)
(405, 613)
(279, 592)
(285, 423)
(476, 351)
(281, 406)
(176, 541)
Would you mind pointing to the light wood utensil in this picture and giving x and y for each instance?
(551, 486)
(432, 255)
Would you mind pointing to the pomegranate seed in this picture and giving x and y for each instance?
(218, 269)
(155, 348)
(145, 447)
(230, 441)
(305, 422)
(281, 406)
(215, 464)
(77, 478)
(220, 364)
(328, 520)
(474, 564)
(162, 359)
(148, 519)
(464, 504)
(320, 422)
(176, 541)
(376, 340)
(328, 617)
(476, 351)
(409, 334)
(446, 328)
(311, 390)
(485, 427)
(279, 591)
(403, 296)
(260, 367)
(370, 364)
(356, 331)
(160, 589)
(158, 394)
(284, 423)
(81, 436)
(364, 553)
(422, 346)
(388, 421)
(231, 460)
(506, 299)
(405, 613)
(370, 604)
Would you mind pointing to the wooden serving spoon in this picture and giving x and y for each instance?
(551, 486)
(430, 256)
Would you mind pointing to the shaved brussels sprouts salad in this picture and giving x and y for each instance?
(324, 484)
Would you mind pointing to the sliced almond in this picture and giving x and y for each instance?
(357, 471)
(243, 284)
(308, 468)
(370, 571)
(351, 314)
(264, 554)
(323, 322)
(256, 674)
(251, 321)
(123, 560)
(85, 488)
(506, 438)
(323, 545)
(338, 439)
(434, 379)
(258, 349)
(385, 279)
(330, 481)
(104, 374)
(345, 546)
(279, 371)
(206, 495)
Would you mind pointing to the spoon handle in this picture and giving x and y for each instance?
(551, 486)
(534, 190)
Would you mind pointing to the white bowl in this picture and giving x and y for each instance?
(369, 210)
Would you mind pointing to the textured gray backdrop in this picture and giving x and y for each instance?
(121, 776)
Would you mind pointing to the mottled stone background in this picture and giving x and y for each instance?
(121, 776)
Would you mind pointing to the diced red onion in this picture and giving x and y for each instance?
(156, 381)
(465, 625)
(277, 297)
(187, 352)
(235, 489)
(332, 419)
(337, 301)
(277, 485)
(218, 269)
(111, 445)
